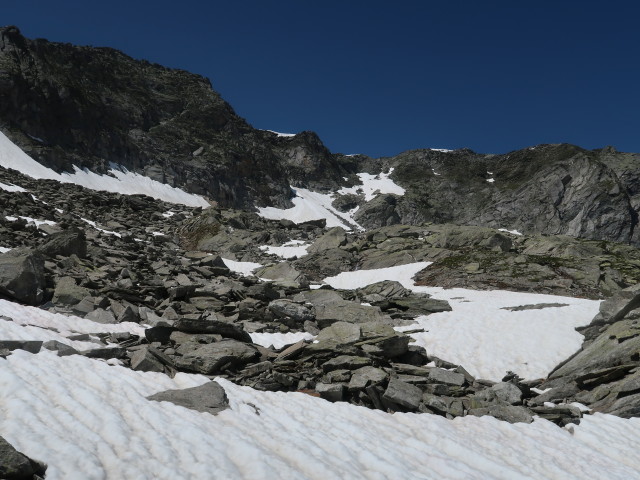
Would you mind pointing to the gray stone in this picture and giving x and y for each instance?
(209, 398)
(508, 413)
(145, 361)
(363, 377)
(17, 466)
(67, 292)
(66, 243)
(404, 394)
(339, 333)
(347, 362)
(22, 276)
(101, 315)
(31, 346)
(507, 392)
(440, 375)
(288, 309)
(334, 392)
(283, 274)
(333, 238)
(62, 349)
(212, 324)
(215, 357)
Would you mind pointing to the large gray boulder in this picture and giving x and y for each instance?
(68, 292)
(283, 274)
(212, 325)
(209, 398)
(22, 276)
(333, 238)
(215, 357)
(66, 243)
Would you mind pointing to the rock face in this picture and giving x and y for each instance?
(173, 127)
(167, 124)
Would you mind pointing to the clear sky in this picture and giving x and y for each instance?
(381, 77)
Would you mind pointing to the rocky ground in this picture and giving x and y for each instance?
(112, 258)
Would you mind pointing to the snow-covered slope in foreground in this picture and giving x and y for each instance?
(120, 179)
(483, 332)
(89, 420)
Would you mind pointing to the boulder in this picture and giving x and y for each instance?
(404, 394)
(339, 333)
(215, 357)
(288, 309)
(283, 274)
(66, 243)
(17, 466)
(333, 238)
(365, 376)
(22, 276)
(212, 325)
(209, 397)
(67, 292)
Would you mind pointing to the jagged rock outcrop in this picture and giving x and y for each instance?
(96, 106)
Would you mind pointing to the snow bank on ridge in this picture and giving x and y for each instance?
(120, 179)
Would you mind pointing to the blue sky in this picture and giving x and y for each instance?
(380, 77)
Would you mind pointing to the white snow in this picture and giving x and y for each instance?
(30, 323)
(243, 268)
(373, 185)
(95, 225)
(282, 134)
(308, 206)
(293, 248)
(89, 420)
(491, 180)
(479, 334)
(119, 180)
(30, 220)
(11, 188)
(4, 249)
(279, 340)
(513, 232)
(444, 150)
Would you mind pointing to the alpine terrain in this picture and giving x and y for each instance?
(185, 296)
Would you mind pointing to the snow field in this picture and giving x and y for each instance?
(243, 268)
(480, 334)
(310, 205)
(89, 420)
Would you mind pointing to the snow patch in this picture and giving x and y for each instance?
(11, 188)
(373, 185)
(309, 206)
(119, 180)
(243, 268)
(513, 232)
(480, 334)
(293, 248)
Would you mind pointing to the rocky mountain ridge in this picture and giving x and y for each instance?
(89, 107)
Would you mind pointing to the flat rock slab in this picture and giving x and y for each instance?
(209, 398)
